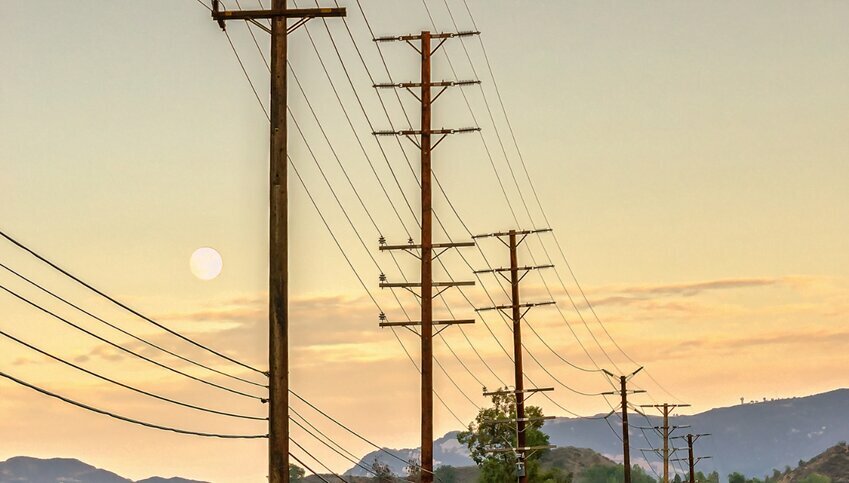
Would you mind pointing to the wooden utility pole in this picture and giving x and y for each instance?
(665, 431)
(626, 440)
(426, 248)
(278, 226)
(691, 460)
(522, 449)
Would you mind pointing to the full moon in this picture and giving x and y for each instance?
(206, 263)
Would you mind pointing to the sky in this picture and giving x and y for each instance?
(691, 157)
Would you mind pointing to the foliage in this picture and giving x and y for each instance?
(484, 434)
(413, 470)
(296, 473)
(446, 474)
(614, 474)
(712, 477)
(382, 472)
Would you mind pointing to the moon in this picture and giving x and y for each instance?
(206, 263)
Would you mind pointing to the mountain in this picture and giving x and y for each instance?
(751, 439)
(23, 469)
(569, 459)
(833, 463)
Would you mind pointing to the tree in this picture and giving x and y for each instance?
(296, 473)
(414, 470)
(736, 478)
(446, 474)
(382, 472)
(494, 428)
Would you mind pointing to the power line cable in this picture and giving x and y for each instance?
(126, 419)
(126, 386)
(543, 212)
(124, 349)
(300, 462)
(319, 462)
(123, 331)
(125, 307)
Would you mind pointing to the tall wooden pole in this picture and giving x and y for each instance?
(427, 269)
(278, 263)
(521, 440)
(626, 445)
(665, 443)
(691, 458)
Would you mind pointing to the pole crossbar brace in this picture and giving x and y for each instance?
(523, 391)
(507, 233)
(524, 448)
(415, 246)
(505, 307)
(418, 323)
(410, 85)
(302, 14)
(526, 420)
(408, 38)
(419, 132)
(418, 284)
(507, 269)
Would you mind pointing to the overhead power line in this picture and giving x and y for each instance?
(126, 419)
(126, 350)
(126, 386)
(126, 332)
(125, 307)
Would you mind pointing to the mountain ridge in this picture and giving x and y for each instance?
(751, 438)
(27, 469)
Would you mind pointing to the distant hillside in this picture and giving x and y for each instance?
(23, 469)
(573, 460)
(833, 463)
(570, 460)
(751, 439)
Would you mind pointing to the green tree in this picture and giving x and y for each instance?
(446, 474)
(296, 473)
(712, 477)
(486, 432)
(736, 478)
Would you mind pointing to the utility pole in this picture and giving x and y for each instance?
(665, 431)
(522, 449)
(691, 459)
(278, 263)
(426, 144)
(626, 440)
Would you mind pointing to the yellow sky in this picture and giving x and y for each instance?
(692, 158)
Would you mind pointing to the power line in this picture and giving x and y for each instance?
(124, 349)
(365, 287)
(317, 461)
(125, 307)
(123, 331)
(126, 386)
(126, 419)
(542, 210)
(298, 460)
(378, 267)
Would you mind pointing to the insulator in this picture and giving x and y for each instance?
(382, 277)
(382, 240)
